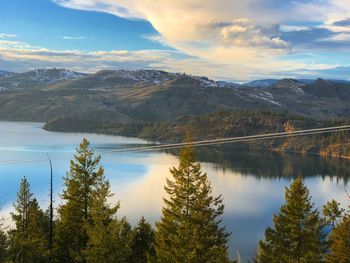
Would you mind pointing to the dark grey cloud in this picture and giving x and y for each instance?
(53, 53)
(315, 38)
(307, 36)
(344, 23)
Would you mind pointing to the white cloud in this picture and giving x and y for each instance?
(4, 35)
(243, 32)
(289, 28)
(74, 37)
(156, 38)
(19, 56)
(338, 37)
(242, 37)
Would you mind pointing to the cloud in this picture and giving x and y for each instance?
(246, 39)
(327, 72)
(343, 38)
(157, 39)
(292, 28)
(20, 56)
(342, 23)
(243, 32)
(74, 37)
(4, 35)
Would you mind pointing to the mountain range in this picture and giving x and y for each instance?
(155, 95)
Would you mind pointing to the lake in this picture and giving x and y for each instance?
(252, 183)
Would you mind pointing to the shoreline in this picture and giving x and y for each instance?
(165, 141)
(345, 157)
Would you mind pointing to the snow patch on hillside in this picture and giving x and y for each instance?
(55, 75)
(266, 96)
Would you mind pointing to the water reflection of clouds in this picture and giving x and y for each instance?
(143, 197)
(250, 201)
(324, 190)
(251, 184)
(243, 194)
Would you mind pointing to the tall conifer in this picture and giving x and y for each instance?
(108, 238)
(142, 243)
(298, 234)
(29, 239)
(3, 245)
(332, 212)
(81, 183)
(340, 242)
(19, 236)
(189, 230)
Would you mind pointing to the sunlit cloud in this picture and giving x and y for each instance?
(21, 56)
(246, 38)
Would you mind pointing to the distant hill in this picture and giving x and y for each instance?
(36, 78)
(260, 83)
(264, 83)
(4, 73)
(158, 96)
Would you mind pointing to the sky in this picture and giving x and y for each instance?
(222, 39)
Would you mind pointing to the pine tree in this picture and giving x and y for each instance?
(108, 238)
(189, 230)
(340, 242)
(332, 212)
(142, 243)
(19, 236)
(298, 234)
(81, 183)
(3, 245)
(37, 242)
(28, 241)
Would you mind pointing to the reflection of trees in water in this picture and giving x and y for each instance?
(269, 164)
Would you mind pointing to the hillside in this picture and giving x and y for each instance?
(36, 78)
(158, 96)
(158, 105)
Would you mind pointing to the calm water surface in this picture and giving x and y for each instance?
(252, 184)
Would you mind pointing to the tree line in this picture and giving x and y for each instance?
(86, 227)
(223, 124)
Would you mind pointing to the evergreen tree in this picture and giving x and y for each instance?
(340, 242)
(142, 243)
(298, 234)
(28, 241)
(82, 181)
(37, 234)
(3, 245)
(189, 230)
(19, 236)
(332, 212)
(108, 238)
